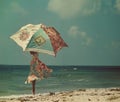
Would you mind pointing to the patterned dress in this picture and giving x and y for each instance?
(38, 70)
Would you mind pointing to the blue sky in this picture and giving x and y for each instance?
(91, 28)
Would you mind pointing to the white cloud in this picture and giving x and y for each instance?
(14, 7)
(17, 8)
(117, 5)
(75, 32)
(72, 8)
(86, 40)
(115, 44)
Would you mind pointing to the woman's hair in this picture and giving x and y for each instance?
(33, 53)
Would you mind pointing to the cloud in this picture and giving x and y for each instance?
(117, 5)
(17, 8)
(14, 7)
(75, 32)
(116, 44)
(72, 8)
(86, 39)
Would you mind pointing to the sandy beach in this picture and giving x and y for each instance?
(81, 95)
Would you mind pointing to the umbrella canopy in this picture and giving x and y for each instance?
(39, 38)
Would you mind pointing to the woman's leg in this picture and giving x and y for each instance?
(33, 87)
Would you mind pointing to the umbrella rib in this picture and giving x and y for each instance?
(41, 50)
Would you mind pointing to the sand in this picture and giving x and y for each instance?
(81, 95)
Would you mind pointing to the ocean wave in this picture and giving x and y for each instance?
(16, 96)
(55, 84)
(75, 68)
(77, 80)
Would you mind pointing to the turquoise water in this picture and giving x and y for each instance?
(63, 78)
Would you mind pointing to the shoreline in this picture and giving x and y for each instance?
(80, 95)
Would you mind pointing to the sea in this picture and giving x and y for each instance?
(63, 78)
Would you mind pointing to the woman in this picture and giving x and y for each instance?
(38, 70)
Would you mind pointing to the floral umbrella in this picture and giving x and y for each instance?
(39, 38)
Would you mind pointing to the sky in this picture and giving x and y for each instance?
(91, 28)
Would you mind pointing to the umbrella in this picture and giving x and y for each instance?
(39, 38)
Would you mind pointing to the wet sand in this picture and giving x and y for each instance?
(81, 95)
